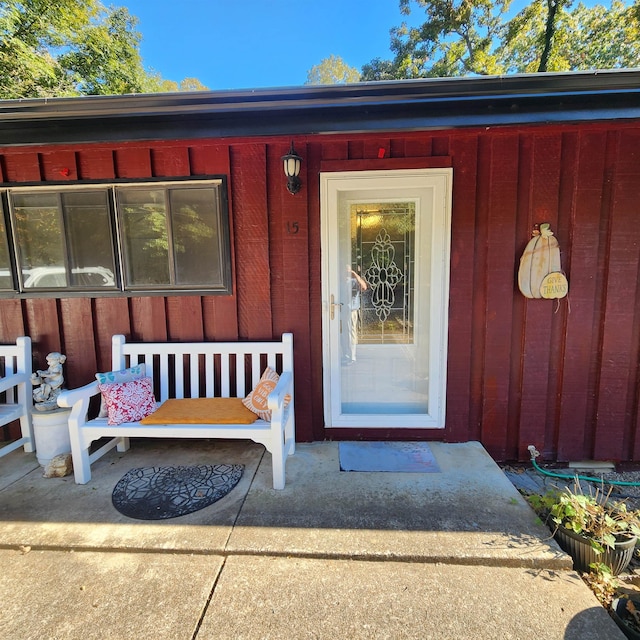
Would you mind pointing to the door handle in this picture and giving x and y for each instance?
(333, 305)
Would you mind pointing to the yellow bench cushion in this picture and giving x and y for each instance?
(201, 411)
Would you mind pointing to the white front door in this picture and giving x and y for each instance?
(385, 284)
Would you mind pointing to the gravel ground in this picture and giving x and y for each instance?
(529, 480)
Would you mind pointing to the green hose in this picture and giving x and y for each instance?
(618, 483)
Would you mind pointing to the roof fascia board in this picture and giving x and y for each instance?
(391, 106)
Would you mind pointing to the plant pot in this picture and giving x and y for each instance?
(622, 619)
(51, 433)
(583, 554)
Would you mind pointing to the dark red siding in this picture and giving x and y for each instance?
(561, 375)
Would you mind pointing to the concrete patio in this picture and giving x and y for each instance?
(454, 554)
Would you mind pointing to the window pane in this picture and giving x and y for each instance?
(196, 236)
(6, 281)
(89, 239)
(145, 239)
(39, 234)
(384, 253)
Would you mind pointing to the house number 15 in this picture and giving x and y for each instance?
(293, 228)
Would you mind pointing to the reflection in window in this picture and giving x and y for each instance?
(152, 236)
(172, 236)
(384, 253)
(6, 280)
(39, 230)
(145, 237)
(89, 239)
(62, 235)
(194, 215)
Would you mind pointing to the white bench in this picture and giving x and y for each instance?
(192, 370)
(16, 367)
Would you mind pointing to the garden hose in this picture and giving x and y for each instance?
(617, 483)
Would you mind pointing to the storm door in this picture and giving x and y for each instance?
(385, 248)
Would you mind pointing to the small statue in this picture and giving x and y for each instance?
(49, 383)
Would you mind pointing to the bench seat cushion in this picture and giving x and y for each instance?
(201, 411)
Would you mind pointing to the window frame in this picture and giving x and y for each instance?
(218, 183)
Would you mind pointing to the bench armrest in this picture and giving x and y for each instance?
(277, 400)
(13, 380)
(70, 397)
(78, 399)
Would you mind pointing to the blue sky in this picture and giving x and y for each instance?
(242, 44)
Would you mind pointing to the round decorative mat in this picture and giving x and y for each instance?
(156, 493)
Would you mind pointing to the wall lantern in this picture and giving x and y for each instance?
(291, 169)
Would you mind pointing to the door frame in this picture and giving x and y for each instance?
(440, 182)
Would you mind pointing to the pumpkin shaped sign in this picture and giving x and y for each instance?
(540, 274)
(554, 285)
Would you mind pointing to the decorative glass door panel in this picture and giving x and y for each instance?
(380, 318)
(384, 241)
(382, 366)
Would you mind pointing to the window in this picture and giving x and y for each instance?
(62, 238)
(171, 235)
(6, 279)
(144, 237)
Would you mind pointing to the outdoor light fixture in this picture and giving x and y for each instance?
(291, 169)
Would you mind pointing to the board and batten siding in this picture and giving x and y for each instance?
(561, 375)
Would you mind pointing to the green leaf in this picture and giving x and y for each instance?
(71, 47)
(609, 540)
(463, 37)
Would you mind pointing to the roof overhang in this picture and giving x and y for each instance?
(409, 105)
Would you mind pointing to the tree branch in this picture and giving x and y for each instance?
(548, 34)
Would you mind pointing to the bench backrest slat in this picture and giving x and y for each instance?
(15, 358)
(194, 375)
(148, 360)
(255, 369)
(178, 372)
(271, 361)
(225, 380)
(8, 366)
(241, 361)
(209, 375)
(164, 375)
(224, 369)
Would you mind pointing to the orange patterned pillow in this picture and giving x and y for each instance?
(256, 401)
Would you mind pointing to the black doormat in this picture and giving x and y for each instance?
(156, 493)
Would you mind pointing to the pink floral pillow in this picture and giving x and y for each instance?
(128, 401)
(125, 375)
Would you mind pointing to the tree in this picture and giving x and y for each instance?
(104, 56)
(191, 84)
(583, 38)
(188, 84)
(29, 31)
(379, 70)
(332, 70)
(457, 39)
(479, 37)
(70, 47)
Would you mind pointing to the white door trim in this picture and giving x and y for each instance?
(393, 183)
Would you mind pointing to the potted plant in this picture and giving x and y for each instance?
(591, 528)
(626, 613)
